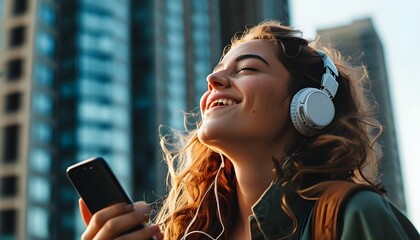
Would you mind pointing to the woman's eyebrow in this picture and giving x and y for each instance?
(246, 56)
(243, 57)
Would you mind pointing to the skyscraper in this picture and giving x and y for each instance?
(187, 45)
(143, 100)
(94, 96)
(235, 15)
(27, 121)
(361, 41)
(63, 104)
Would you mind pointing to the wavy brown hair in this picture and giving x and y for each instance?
(345, 150)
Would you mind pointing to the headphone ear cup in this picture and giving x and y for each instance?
(294, 111)
(311, 110)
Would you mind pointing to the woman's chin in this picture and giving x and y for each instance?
(204, 135)
(209, 136)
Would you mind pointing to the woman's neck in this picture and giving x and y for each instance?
(251, 184)
(253, 177)
(253, 164)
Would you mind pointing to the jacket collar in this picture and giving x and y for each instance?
(269, 220)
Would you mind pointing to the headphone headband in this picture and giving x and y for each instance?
(329, 83)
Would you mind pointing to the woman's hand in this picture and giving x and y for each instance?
(111, 222)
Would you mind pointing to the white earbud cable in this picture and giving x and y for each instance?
(214, 183)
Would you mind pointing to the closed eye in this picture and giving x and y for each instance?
(247, 68)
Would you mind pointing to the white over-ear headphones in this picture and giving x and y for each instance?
(312, 109)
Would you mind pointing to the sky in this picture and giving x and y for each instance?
(397, 24)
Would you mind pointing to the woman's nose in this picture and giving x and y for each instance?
(217, 80)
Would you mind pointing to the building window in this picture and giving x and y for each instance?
(40, 160)
(39, 189)
(8, 186)
(14, 69)
(47, 14)
(42, 103)
(19, 7)
(13, 102)
(10, 140)
(45, 43)
(38, 219)
(8, 224)
(43, 74)
(17, 37)
(41, 132)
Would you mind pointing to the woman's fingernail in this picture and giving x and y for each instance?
(129, 207)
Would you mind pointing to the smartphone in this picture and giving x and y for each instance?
(97, 185)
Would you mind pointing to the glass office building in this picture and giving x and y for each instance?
(236, 14)
(27, 119)
(67, 97)
(94, 103)
(361, 41)
(187, 45)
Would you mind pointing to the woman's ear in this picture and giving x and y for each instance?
(84, 211)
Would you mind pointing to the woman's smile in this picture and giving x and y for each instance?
(221, 102)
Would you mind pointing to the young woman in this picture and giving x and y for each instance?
(281, 125)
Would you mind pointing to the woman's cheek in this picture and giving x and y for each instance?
(203, 101)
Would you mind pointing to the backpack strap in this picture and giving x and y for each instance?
(327, 209)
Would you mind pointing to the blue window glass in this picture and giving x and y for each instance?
(42, 103)
(45, 43)
(119, 93)
(67, 89)
(40, 160)
(38, 222)
(121, 164)
(90, 64)
(41, 132)
(93, 136)
(66, 138)
(47, 14)
(118, 70)
(120, 138)
(120, 116)
(118, 8)
(67, 220)
(89, 87)
(39, 189)
(43, 74)
(92, 111)
(95, 42)
(97, 23)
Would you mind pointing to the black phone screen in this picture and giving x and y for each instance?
(96, 184)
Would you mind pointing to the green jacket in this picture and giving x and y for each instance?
(367, 215)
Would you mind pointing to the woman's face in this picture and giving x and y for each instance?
(247, 99)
